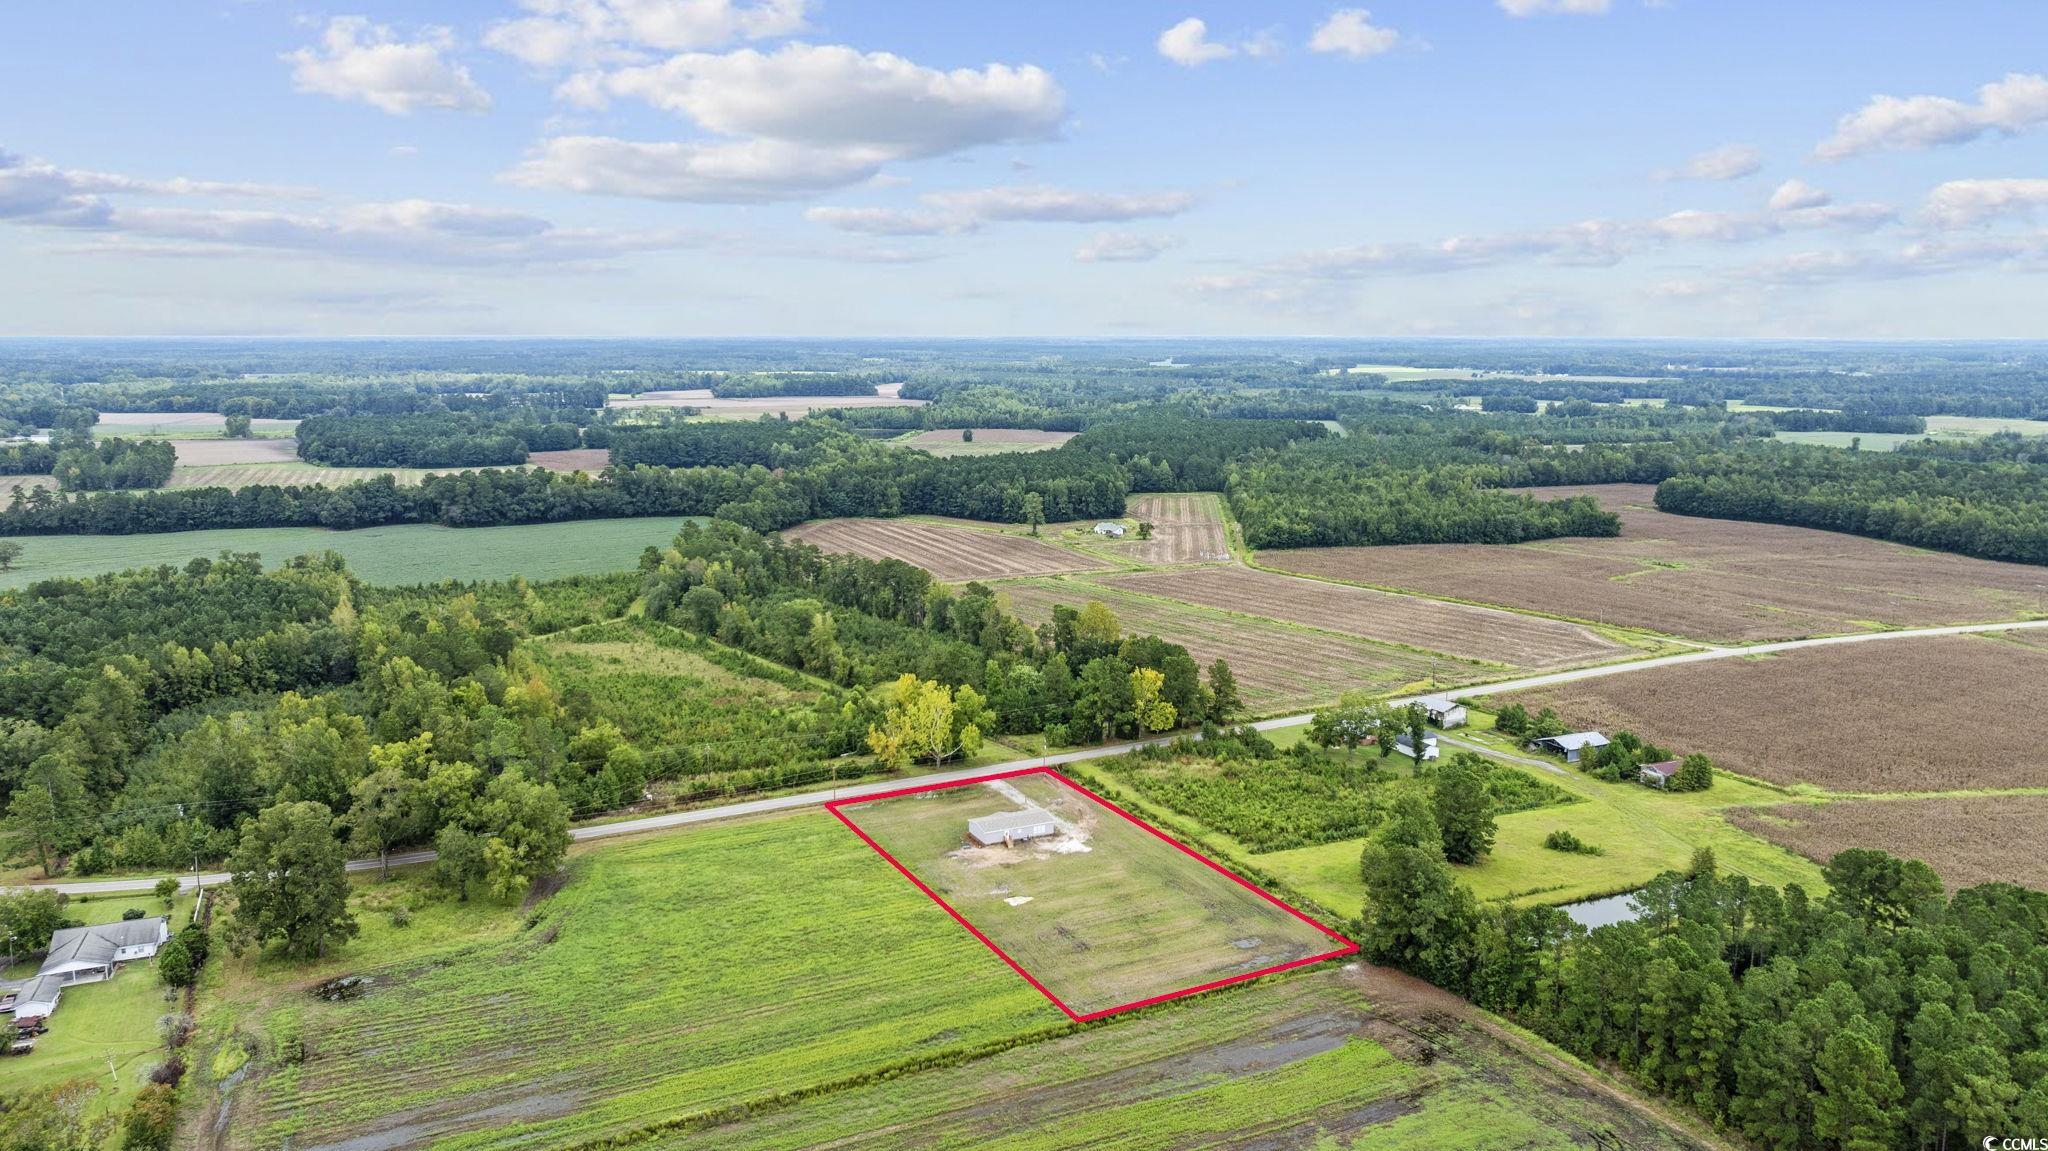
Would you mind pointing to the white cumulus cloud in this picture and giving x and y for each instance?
(1123, 247)
(1558, 7)
(955, 212)
(366, 62)
(1351, 32)
(1727, 162)
(1796, 194)
(557, 33)
(794, 122)
(1887, 123)
(1187, 44)
(1965, 203)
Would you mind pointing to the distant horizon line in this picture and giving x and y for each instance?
(1038, 338)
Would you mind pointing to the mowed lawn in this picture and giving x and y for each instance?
(1129, 918)
(397, 554)
(105, 1032)
(1640, 831)
(672, 975)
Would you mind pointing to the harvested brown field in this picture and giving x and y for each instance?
(1186, 528)
(1967, 840)
(747, 409)
(1946, 713)
(591, 460)
(1481, 633)
(180, 424)
(986, 441)
(10, 484)
(948, 552)
(206, 453)
(287, 472)
(1279, 667)
(1722, 581)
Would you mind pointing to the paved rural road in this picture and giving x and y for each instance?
(815, 798)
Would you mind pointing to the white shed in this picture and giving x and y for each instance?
(1112, 530)
(1008, 827)
(1571, 746)
(1443, 711)
(1403, 746)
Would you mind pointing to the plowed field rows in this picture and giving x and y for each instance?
(1279, 667)
(1940, 714)
(1471, 632)
(948, 552)
(1968, 840)
(1186, 528)
(1716, 580)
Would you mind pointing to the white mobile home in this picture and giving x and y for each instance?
(1007, 827)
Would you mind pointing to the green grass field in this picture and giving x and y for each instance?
(1640, 831)
(1308, 1061)
(1128, 918)
(774, 984)
(672, 974)
(398, 554)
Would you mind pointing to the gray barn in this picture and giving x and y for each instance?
(1011, 827)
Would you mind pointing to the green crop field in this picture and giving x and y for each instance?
(774, 984)
(1103, 914)
(398, 554)
(671, 975)
(1316, 1060)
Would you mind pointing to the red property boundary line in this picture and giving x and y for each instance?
(834, 806)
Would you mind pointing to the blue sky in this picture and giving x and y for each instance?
(836, 167)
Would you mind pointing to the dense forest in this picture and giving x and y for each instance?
(1992, 509)
(1884, 1016)
(428, 440)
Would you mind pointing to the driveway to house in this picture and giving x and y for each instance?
(815, 798)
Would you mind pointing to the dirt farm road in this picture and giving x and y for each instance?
(814, 798)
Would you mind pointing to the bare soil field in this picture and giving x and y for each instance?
(205, 453)
(1941, 714)
(1186, 528)
(180, 424)
(1104, 914)
(986, 441)
(9, 484)
(1480, 633)
(1279, 667)
(591, 460)
(1968, 840)
(948, 552)
(287, 472)
(702, 400)
(1716, 580)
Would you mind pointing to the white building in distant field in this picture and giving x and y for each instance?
(1113, 531)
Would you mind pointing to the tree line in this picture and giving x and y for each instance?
(1992, 509)
(1887, 1015)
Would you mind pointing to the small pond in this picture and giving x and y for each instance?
(1591, 913)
